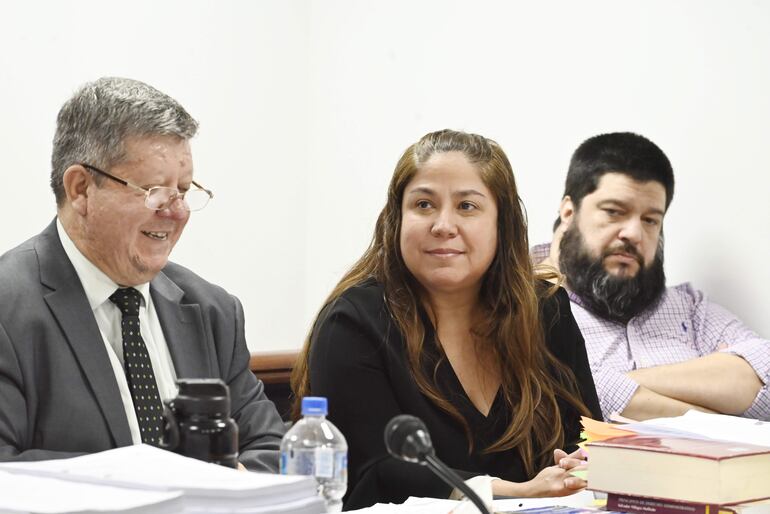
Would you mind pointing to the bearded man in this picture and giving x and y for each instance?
(654, 351)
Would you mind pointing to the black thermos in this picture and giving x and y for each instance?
(198, 423)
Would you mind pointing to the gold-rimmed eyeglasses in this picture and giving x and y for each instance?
(160, 197)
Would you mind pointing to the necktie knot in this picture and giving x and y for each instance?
(127, 299)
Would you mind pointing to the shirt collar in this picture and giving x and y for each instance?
(96, 284)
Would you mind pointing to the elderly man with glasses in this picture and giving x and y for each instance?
(96, 325)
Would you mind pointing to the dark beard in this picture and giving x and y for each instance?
(606, 295)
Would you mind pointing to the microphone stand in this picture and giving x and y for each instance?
(452, 478)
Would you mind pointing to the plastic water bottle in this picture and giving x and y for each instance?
(314, 446)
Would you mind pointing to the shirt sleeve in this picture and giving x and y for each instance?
(716, 327)
(615, 390)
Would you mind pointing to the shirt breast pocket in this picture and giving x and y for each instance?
(668, 342)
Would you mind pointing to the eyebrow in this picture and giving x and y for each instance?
(624, 205)
(462, 193)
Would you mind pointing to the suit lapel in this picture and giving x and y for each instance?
(183, 329)
(69, 305)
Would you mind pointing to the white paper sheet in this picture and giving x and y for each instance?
(29, 493)
(696, 424)
(439, 506)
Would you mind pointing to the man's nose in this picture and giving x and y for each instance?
(631, 231)
(174, 209)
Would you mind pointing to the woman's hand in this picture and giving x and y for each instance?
(569, 461)
(555, 481)
(551, 481)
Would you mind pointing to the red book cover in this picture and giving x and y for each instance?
(701, 448)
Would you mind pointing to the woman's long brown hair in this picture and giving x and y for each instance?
(511, 331)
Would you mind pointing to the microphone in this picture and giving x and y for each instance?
(407, 438)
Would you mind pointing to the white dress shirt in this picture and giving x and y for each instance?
(99, 287)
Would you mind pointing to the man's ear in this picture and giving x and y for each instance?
(76, 180)
(566, 212)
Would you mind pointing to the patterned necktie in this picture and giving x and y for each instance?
(141, 379)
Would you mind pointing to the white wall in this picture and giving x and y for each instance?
(240, 68)
(306, 105)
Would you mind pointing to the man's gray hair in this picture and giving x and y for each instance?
(93, 125)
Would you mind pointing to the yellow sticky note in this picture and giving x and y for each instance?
(580, 473)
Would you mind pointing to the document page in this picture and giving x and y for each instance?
(695, 424)
(29, 493)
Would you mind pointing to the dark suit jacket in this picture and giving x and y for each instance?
(58, 393)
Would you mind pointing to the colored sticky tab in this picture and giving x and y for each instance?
(580, 473)
(599, 430)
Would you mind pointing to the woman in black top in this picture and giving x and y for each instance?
(444, 318)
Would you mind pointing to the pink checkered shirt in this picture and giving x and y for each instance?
(684, 325)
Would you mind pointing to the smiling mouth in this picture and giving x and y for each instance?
(158, 236)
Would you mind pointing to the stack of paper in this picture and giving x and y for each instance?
(28, 493)
(144, 479)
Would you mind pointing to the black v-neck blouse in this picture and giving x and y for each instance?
(358, 361)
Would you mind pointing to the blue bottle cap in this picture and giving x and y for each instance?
(314, 406)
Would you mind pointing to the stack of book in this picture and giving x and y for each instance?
(147, 480)
(672, 474)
